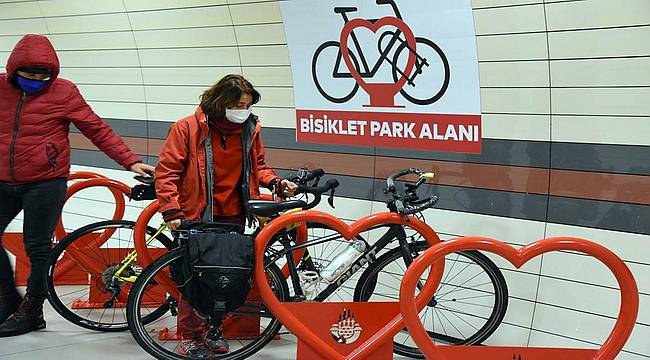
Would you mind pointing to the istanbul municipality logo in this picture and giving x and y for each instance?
(347, 329)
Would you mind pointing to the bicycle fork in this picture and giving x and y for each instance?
(114, 286)
(408, 251)
(299, 294)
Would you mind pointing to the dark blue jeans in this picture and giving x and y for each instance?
(42, 203)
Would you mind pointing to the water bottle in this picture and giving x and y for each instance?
(342, 261)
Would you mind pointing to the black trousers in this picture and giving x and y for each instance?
(42, 203)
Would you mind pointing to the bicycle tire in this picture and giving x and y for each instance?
(369, 280)
(314, 73)
(56, 300)
(445, 62)
(152, 348)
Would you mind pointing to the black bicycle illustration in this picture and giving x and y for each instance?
(436, 82)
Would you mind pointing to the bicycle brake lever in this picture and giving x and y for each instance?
(399, 206)
(330, 200)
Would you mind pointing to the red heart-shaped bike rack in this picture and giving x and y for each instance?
(67, 264)
(381, 94)
(610, 348)
(292, 322)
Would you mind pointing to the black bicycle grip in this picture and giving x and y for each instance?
(410, 210)
(318, 190)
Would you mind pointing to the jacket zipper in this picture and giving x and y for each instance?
(15, 137)
(223, 142)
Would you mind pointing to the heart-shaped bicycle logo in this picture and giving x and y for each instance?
(412, 58)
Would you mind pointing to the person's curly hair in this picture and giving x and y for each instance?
(227, 92)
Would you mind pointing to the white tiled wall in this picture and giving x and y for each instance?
(115, 49)
(550, 71)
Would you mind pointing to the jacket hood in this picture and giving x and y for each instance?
(33, 50)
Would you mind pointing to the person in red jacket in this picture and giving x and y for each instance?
(239, 166)
(36, 109)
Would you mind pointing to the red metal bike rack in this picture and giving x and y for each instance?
(374, 324)
(70, 274)
(611, 347)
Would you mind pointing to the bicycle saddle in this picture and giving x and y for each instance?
(268, 208)
(145, 190)
(343, 9)
(147, 180)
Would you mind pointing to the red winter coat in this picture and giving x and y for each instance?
(34, 143)
(180, 173)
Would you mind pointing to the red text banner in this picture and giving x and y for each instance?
(418, 131)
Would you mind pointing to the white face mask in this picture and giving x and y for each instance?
(238, 116)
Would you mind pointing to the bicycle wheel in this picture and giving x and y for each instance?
(324, 73)
(82, 295)
(158, 338)
(468, 306)
(431, 69)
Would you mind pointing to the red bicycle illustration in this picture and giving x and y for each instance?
(414, 57)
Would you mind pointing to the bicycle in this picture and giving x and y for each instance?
(252, 326)
(475, 278)
(111, 254)
(104, 251)
(468, 306)
(421, 98)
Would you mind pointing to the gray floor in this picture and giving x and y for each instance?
(63, 340)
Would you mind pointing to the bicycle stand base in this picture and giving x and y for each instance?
(516, 353)
(344, 327)
(306, 352)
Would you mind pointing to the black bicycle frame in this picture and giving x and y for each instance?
(368, 257)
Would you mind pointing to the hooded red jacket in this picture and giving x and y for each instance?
(34, 143)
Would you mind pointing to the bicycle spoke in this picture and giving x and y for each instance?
(458, 286)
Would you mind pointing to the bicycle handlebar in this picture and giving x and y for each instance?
(409, 203)
(390, 181)
(304, 175)
(410, 210)
(318, 191)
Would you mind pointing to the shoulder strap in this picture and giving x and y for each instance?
(209, 176)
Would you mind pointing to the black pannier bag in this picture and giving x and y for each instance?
(214, 275)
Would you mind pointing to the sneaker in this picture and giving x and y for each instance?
(216, 343)
(28, 317)
(194, 349)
